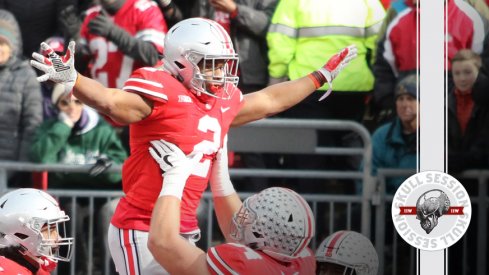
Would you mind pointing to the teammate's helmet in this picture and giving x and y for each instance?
(351, 250)
(277, 221)
(198, 40)
(24, 214)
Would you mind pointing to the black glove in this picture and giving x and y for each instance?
(138, 49)
(101, 25)
(70, 23)
(100, 166)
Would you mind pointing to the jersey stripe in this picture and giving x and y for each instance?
(213, 253)
(145, 91)
(151, 35)
(144, 81)
(213, 266)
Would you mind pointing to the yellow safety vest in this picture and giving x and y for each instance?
(304, 34)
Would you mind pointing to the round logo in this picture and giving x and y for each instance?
(431, 210)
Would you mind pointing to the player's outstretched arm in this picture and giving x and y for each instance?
(169, 249)
(226, 200)
(121, 106)
(280, 97)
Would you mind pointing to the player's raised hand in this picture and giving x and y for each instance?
(334, 66)
(56, 68)
(176, 166)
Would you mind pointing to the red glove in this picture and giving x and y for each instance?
(333, 67)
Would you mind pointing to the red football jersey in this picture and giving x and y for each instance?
(141, 19)
(9, 267)
(179, 117)
(234, 258)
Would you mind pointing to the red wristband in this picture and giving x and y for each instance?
(318, 79)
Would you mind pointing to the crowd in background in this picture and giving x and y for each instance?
(276, 40)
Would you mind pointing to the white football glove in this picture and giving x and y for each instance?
(57, 69)
(335, 64)
(176, 166)
(221, 185)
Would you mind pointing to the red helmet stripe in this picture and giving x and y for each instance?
(224, 35)
(332, 243)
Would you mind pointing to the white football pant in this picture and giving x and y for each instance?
(130, 253)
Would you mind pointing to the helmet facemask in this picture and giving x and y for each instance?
(50, 238)
(55, 244)
(214, 75)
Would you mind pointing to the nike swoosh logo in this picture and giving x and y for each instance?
(225, 109)
(165, 159)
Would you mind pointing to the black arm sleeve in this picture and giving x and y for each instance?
(172, 13)
(140, 50)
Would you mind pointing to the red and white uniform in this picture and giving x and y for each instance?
(465, 31)
(234, 258)
(140, 18)
(179, 117)
(9, 267)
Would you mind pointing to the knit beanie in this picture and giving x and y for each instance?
(7, 33)
(407, 85)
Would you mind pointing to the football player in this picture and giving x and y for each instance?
(32, 228)
(191, 101)
(346, 253)
(268, 233)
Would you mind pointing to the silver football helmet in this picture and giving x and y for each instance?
(350, 250)
(32, 220)
(196, 45)
(277, 221)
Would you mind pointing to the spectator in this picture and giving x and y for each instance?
(269, 231)
(38, 20)
(20, 98)
(33, 237)
(78, 136)
(301, 34)
(247, 22)
(117, 37)
(120, 36)
(468, 114)
(394, 144)
(468, 132)
(192, 100)
(396, 51)
(346, 252)
(171, 11)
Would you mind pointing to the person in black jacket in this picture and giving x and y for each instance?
(468, 114)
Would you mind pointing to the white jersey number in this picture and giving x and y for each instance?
(207, 147)
(102, 47)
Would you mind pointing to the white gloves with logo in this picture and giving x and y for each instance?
(334, 65)
(176, 166)
(221, 185)
(57, 69)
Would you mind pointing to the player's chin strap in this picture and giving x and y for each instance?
(44, 262)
